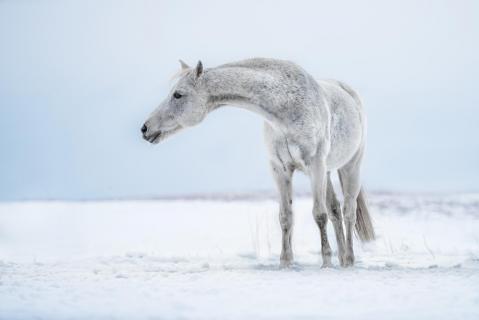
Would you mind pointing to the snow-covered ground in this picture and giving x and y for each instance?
(205, 259)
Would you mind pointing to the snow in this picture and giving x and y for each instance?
(218, 259)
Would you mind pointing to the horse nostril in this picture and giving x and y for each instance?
(144, 128)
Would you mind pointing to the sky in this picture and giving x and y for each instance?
(79, 78)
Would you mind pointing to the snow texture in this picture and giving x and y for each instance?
(205, 259)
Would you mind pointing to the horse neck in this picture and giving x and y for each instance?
(244, 88)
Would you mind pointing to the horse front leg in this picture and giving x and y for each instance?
(320, 211)
(283, 176)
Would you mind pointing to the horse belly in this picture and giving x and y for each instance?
(346, 136)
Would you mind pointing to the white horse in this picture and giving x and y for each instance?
(315, 127)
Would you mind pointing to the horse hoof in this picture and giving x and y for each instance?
(326, 265)
(349, 261)
(285, 264)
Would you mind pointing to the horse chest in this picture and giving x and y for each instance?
(295, 155)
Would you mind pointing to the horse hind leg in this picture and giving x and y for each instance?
(336, 217)
(350, 183)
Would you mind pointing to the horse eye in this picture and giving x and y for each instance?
(177, 95)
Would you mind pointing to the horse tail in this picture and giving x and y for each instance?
(364, 224)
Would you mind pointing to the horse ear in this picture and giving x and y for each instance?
(199, 69)
(184, 65)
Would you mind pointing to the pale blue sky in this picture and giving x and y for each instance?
(78, 78)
